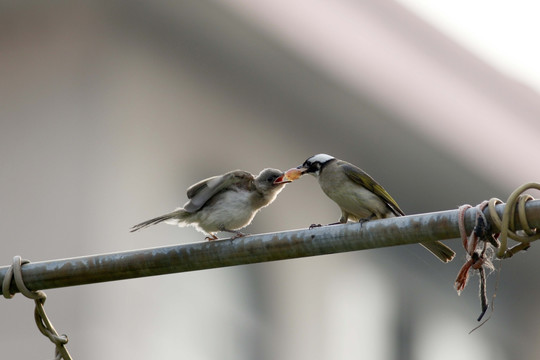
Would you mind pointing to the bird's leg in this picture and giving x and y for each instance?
(211, 237)
(237, 234)
(363, 220)
(342, 220)
(372, 217)
(336, 223)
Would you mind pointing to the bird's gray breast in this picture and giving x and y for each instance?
(230, 209)
(350, 196)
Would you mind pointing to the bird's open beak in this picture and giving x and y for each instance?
(290, 175)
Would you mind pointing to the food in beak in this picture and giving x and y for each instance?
(290, 175)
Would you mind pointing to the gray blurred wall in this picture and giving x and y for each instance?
(110, 110)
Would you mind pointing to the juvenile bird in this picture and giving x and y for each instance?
(228, 202)
(358, 195)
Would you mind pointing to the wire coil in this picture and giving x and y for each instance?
(506, 224)
(42, 321)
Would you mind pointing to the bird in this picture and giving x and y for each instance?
(227, 202)
(357, 194)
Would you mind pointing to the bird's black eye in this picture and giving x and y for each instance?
(313, 167)
(272, 178)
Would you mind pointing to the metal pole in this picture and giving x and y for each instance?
(251, 249)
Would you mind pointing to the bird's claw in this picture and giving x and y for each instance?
(362, 221)
(238, 235)
(312, 226)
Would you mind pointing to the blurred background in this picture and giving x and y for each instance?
(110, 110)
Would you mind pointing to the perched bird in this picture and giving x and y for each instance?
(228, 202)
(358, 195)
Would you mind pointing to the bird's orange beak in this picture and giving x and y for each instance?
(289, 176)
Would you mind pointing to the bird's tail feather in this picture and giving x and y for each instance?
(443, 252)
(174, 217)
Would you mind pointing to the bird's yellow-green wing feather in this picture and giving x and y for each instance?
(360, 177)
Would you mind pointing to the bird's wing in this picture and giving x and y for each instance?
(199, 193)
(360, 177)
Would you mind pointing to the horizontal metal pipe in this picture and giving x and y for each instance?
(251, 249)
